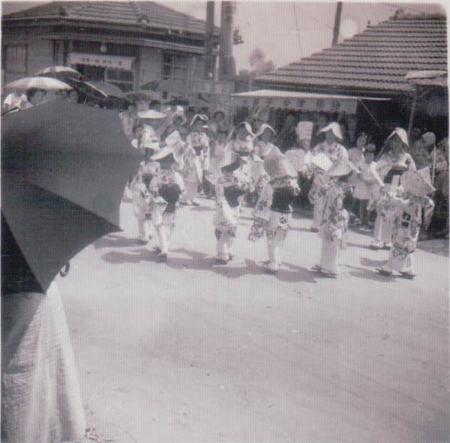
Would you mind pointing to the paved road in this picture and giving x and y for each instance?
(192, 352)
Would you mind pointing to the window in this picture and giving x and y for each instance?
(16, 59)
(175, 66)
(58, 52)
(120, 78)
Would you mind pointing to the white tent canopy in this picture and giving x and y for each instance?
(299, 101)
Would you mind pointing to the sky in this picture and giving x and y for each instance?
(287, 30)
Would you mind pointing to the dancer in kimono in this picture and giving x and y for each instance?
(263, 141)
(230, 187)
(333, 219)
(336, 153)
(407, 207)
(273, 208)
(140, 186)
(263, 147)
(166, 189)
(390, 167)
(242, 143)
(196, 159)
(217, 146)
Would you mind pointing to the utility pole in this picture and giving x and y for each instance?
(209, 60)
(227, 65)
(337, 23)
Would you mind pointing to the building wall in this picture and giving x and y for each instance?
(150, 66)
(151, 62)
(40, 55)
(39, 52)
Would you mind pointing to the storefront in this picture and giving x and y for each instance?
(374, 64)
(128, 44)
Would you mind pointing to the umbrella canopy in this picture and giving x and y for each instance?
(87, 90)
(101, 93)
(46, 83)
(143, 96)
(64, 169)
(59, 72)
(108, 89)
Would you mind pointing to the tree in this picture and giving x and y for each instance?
(259, 62)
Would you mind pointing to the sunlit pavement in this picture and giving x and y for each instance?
(192, 352)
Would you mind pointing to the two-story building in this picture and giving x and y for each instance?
(129, 44)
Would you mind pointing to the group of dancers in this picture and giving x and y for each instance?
(244, 165)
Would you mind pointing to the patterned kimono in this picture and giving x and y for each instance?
(166, 189)
(333, 225)
(406, 225)
(272, 214)
(229, 189)
(216, 161)
(41, 397)
(386, 167)
(142, 202)
(196, 163)
(336, 153)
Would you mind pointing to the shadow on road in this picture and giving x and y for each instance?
(134, 256)
(369, 274)
(359, 245)
(294, 274)
(115, 241)
(372, 263)
(200, 261)
(293, 228)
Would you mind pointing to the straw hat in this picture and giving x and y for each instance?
(343, 168)
(246, 125)
(418, 183)
(335, 128)
(165, 154)
(173, 138)
(151, 114)
(262, 128)
(322, 161)
(401, 134)
(278, 166)
(202, 117)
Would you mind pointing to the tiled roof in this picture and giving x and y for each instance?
(375, 60)
(115, 12)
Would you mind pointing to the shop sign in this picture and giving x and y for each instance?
(106, 61)
(298, 104)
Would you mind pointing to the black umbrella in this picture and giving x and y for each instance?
(64, 169)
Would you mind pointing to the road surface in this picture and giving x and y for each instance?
(192, 352)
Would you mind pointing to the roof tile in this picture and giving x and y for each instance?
(376, 59)
(116, 12)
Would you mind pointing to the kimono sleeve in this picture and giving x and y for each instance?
(179, 181)
(154, 186)
(428, 209)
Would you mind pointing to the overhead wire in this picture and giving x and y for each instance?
(319, 21)
(298, 31)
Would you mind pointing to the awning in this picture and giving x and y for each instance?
(299, 101)
(428, 78)
(105, 61)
